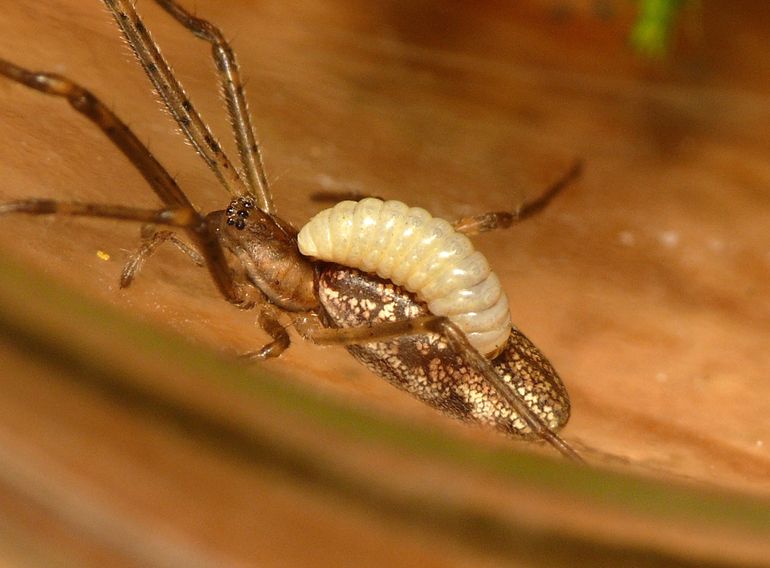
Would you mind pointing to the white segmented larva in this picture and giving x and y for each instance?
(420, 252)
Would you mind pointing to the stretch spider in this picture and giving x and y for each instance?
(430, 321)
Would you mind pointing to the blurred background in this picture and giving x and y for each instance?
(129, 436)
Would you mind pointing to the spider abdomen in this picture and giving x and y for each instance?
(419, 252)
(429, 368)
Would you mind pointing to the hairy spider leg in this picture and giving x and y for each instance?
(237, 105)
(482, 222)
(149, 245)
(504, 219)
(173, 95)
(179, 213)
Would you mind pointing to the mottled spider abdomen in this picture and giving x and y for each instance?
(424, 254)
(429, 369)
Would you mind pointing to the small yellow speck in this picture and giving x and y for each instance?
(103, 255)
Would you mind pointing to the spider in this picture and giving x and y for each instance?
(403, 291)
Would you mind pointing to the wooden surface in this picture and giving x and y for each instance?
(647, 284)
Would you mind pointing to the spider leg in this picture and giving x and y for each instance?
(169, 217)
(237, 106)
(83, 101)
(148, 166)
(457, 339)
(332, 196)
(310, 328)
(173, 95)
(268, 320)
(147, 249)
(504, 219)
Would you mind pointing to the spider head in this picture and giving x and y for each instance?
(244, 226)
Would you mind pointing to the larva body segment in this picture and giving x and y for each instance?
(419, 252)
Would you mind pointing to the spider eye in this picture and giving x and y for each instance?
(237, 211)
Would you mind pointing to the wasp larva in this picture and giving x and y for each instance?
(422, 253)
